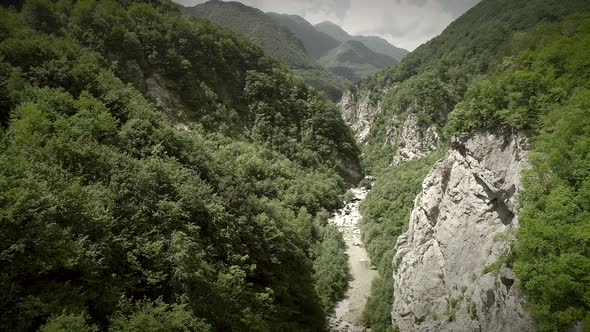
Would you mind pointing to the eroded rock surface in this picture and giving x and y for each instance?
(358, 111)
(412, 140)
(446, 271)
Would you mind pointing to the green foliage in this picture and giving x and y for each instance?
(473, 311)
(68, 322)
(111, 217)
(331, 266)
(437, 74)
(553, 251)
(532, 83)
(155, 316)
(274, 38)
(377, 312)
(386, 213)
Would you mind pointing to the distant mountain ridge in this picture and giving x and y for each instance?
(316, 43)
(374, 43)
(355, 61)
(328, 62)
(352, 58)
(275, 39)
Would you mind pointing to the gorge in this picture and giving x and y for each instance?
(172, 168)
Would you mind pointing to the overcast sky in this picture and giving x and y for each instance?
(404, 23)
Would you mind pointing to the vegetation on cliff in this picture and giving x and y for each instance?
(386, 212)
(434, 78)
(521, 64)
(544, 89)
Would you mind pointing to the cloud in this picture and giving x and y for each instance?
(313, 11)
(404, 23)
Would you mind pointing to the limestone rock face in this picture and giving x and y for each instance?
(412, 140)
(358, 112)
(446, 271)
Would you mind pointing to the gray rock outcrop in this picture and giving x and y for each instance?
(449, 274)
(411, 138)
(358, 111)
(413, 141)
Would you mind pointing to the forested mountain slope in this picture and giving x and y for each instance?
(316, 43)
(275, 39)
(354, 61)
(352, 58)
(374, 43)
(163, 174)
(506, 76)
(434, 78)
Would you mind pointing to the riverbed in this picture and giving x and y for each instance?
(348, 315)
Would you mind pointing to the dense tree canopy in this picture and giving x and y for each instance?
(189, 211)
(526, 68)
(435, 77)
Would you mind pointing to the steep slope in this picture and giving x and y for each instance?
(316, 43)
(164, 174)
(275, 39)
(354, 61)
(434, 78)
(545, 92)
(349, 59)
(446, 275)
(382, 46)
(333, 30)
(499, 69)
(374, 43)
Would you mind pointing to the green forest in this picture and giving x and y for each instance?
(544, 90)
(274, 38)
(528, 70)
(161, 173)
(386, 213)
(114, 219)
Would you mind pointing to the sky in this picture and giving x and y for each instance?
(404, 23)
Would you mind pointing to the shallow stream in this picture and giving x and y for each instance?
(348, 315)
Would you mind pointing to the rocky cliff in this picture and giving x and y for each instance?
(358, 111)
(450, 269)
(411, 138)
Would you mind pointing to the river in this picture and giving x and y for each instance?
(348, 314)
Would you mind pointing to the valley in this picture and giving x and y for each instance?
(348, 313)
(326, 56)
(201, 166)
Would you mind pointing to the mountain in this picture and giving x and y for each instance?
(374, 43)
(354, 61)
(315, 42)
(275, 39)
(300, 46)
(465, 138)
(333, 30)
(349, 59)
(164, 174)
